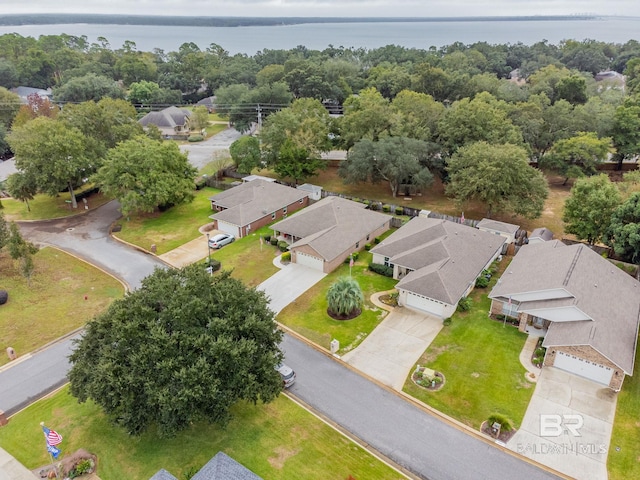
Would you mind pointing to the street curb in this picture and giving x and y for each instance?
(426, 408)
(136, 247)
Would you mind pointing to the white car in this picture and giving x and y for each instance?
(287, 374)
(220, 240)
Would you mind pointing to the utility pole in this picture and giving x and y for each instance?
(259, 117)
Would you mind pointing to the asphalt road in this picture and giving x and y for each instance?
(418, 441)
(87, 236)
(204, 152)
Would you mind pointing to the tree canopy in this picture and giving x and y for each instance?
(184, 347)
(623, 234)
(144, 174)
(588, 211)
(498, 176)
(395, 160)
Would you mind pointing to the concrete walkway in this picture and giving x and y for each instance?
(11, 469)
(389, 352)
(525, 358)
(568, 401)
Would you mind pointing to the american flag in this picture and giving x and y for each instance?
(351, 262)
(462, 218)
(53, 437)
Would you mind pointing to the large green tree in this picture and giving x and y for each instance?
(588, 211)
(144, 174)
(498, 176)
(577, 156)
(366, 116)
(88, 87)
(185, 347)
(22, 187)
(53, 154)
(623, 234)
(626, 130)
(245, 153)
(396, 160)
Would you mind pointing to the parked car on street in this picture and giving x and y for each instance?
(287, 374)
(220, 240)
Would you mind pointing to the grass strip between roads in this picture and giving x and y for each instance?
(54, 303)
(277, 441)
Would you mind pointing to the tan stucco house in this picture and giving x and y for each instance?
(324, 234)
(247, 207)
(437, 262)
(587, 308)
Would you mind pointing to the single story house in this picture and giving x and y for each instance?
(252, 205)
(209, 102)
(507, 230)
(220, 467)
(325, 234)
(587, 309)
(539, 235)
(24, 93)
(437, 262)
(173, 122)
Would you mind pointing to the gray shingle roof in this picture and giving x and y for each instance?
(169, 117)
(606, 294)
(445, 256)
(162, 474)
(223, 467)
(332, 225)
(489, 224)
(542, 233)
(253, 200)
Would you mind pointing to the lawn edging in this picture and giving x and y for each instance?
(422, 406)
(136, 247)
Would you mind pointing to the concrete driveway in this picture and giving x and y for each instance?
(559, 394)
(288, 284)
(393, 348)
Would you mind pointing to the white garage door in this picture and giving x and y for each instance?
(309, 261)
(425, 304)
(584, 368)
(228, 228)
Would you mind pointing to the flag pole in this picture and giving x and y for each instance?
(53, 463)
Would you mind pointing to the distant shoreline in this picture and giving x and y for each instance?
(157, 20)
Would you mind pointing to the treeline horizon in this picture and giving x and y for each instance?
(21, 19)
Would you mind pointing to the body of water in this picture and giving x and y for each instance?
(422, 35)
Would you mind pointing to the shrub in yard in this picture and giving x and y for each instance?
(381, 269)
(446, 322)
(367, 247)
(377, 240)
(214, 264)
(286, 257)
(345, 298)
(537, 361)
(274, 241)
(465, 304)
(540, 351)
(283, 246)
(4, 296)
(195, 138)
(506, 425)
(482, 282)
(201, 182)
(267, 238)
(354, 255)
(386, 208)
(399, 211)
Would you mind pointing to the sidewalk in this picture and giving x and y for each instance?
(11, 469)
(525, 358)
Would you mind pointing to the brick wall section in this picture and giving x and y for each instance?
(496, 307)
(588, 353)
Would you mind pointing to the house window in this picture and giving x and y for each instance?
(367, 236)
(510, 309)
(273, 216)
(357, 244)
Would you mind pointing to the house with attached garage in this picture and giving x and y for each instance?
(587, 309)
(249, 206)
(325, 234)
(437, 262)
(173, 122)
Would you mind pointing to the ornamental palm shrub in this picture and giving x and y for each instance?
(345, 297)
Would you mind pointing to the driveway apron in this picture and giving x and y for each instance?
(289, 283)
(392, 349)
(568, 425)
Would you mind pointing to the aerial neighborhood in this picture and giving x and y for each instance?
(349, 263)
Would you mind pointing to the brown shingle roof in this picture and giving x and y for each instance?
(606, 294)
(253, 200)
(331, 226)
(446, 257)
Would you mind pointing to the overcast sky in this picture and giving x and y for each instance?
(327, 8)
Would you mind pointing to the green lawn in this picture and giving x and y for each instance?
(54, 303)
(251, 262)
(45, 207)
(276, 441)
(624, 463)
(170, 229)
(479, 359)
(308, 316)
